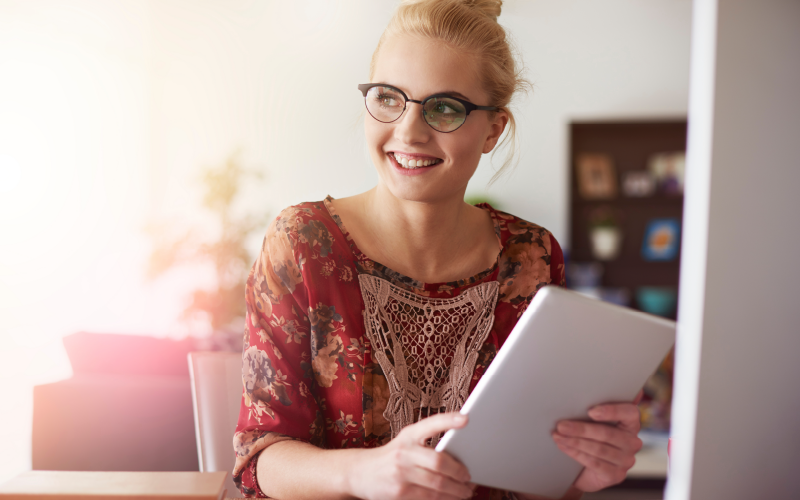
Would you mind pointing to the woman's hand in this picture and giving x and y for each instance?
(606, 449)
(406, 468)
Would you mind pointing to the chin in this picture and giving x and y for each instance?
(429, 193)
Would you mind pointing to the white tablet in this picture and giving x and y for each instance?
(566, 354)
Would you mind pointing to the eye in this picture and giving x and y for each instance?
(390, 100)
(386, 97)
(442, 107)
(445, 106)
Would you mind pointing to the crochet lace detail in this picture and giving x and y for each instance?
(427, 348)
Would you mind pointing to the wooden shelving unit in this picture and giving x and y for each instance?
(630, 144)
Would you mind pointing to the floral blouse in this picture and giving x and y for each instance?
(343, 352)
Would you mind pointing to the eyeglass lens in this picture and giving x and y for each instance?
(386, 104)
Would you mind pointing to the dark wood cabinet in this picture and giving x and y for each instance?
(630, 144)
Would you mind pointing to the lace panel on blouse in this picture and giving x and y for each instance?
(427, 348)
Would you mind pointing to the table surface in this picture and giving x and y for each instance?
(651, 461)
(137, 485)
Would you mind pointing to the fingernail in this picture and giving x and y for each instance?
(596, 412)
(461, 419)
(564, 427)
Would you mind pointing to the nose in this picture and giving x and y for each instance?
(411, 128)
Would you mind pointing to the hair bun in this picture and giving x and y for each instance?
(489, 8)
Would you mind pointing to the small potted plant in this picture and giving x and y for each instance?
(605, 234)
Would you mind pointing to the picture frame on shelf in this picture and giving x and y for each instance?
(597, 178)
(661, 240)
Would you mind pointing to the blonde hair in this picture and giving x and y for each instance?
(470, 26)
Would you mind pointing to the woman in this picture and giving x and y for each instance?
(371, 318)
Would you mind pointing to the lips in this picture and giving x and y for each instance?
(413, 161)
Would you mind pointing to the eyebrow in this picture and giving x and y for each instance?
(448, 92)
(454, 94)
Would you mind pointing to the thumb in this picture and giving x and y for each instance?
(434, 425)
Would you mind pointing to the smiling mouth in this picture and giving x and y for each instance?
(411, 163)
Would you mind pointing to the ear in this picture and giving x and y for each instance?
(496, 128)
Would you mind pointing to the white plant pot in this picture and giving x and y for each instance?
(606, 242)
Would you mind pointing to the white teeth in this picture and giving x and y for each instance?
(408, 163)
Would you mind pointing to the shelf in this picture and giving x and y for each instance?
(676, 201)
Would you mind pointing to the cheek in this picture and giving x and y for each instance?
(375, 134)
(466, 148)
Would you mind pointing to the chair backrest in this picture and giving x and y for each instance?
(216, 395)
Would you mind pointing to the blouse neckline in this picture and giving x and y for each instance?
(401, 278)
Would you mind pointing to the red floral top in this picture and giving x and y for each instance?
(342, 352)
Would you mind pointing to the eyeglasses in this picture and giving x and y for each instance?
(442, 112)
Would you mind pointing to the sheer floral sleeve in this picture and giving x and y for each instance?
(279, 400)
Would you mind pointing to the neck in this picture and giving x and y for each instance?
(425, 236)
(421, 223)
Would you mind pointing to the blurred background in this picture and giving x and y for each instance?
(144, 146)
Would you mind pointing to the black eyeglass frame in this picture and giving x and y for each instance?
(468, 106)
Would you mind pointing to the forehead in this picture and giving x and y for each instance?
(422, 67)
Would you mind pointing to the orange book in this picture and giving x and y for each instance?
(74, 485)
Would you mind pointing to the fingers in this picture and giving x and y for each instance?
(439, 483)
(602, 451)
(624, 415)
(440, 462)
(417, 492)
(606, 449)
(431, 426)
(606, 472)
(439, 475)
(638, 398)
(613, 436)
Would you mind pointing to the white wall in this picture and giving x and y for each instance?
(73, 144)
(248, 75)
(736, 406)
